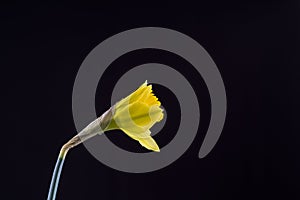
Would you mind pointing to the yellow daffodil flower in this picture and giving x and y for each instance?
(136, 114)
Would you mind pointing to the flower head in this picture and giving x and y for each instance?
(136, 114)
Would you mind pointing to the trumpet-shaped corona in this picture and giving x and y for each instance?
(136, 114)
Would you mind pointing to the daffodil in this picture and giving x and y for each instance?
(134, 115)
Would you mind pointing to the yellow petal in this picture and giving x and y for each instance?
(152, 100)
(136, 114)
(156, 113)
(143, 95)
(135, 96)
(149, 143)
(132, 117)
(139, 113)
(145, 140)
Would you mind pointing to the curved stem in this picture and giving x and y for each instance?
(59, 164)
(56, 175)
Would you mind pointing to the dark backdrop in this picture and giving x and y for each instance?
(256, 48)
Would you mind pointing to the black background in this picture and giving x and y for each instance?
(256, 48)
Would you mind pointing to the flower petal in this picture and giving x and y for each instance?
(145, 140)
(149, 143)
(152, 100)
(136, 114)
(156, 113)
(135, 96)
(139, 113)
